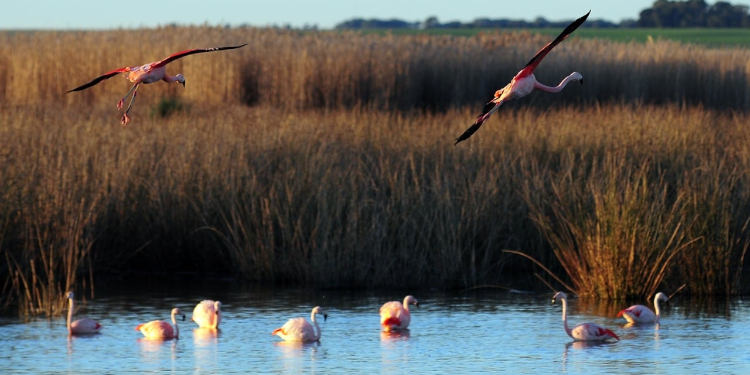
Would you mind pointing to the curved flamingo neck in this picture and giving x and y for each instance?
(565, 315)
(169, 78)
(656, 307)
(317, 327)
(557, 88)
(70, 313)
(176, 327)
(406, 304)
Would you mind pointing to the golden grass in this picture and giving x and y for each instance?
(301, 159)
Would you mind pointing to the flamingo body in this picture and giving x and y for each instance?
(641, 314)
(81, 326)
(524, 82)
(161, 330)
(207, 314)
(300, 330)
(148, 73)
(583, 331)
(395, 315)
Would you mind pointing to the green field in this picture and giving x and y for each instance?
(707, 37)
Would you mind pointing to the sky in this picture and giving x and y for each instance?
(107, 14)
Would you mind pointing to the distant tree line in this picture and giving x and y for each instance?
(663, 13)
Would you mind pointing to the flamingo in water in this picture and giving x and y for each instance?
(161, 330)
(583, 331)
(395, 315)
(524, 82)
(299, 330)
(207, 314)
(642, 314)
(81, 326)
(148, 73)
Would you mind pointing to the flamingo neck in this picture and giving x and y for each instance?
(656, 307)
(317, 327)
(557, 88)
(565, 316)
(169, 78)
(406, 304)
(176, 327)
(70, 313)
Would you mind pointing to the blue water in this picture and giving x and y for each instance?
(479, 332)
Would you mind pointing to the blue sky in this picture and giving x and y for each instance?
(105, 14)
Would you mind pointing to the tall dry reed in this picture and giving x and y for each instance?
(327, 69)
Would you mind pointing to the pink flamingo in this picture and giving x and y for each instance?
(149, 73)
(524, 82)
(642, 314)
(299, 330)
(583, 331)
(396, 316)
(161, 330)
(81, 326)
(207, 314)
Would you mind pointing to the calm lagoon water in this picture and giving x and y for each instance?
(477, 332)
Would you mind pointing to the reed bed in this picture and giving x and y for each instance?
(326, 159)
(623, 199)
(334, 69)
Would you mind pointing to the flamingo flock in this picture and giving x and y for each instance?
(394, 315)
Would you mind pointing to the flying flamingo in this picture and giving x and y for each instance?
(642, 314)
(299, 330)
(148, 73)
(81, 326)
(583, 331)
(395, 316)
(161, 330)
(207, 314)
(524, 82)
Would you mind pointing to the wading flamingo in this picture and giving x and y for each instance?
(524, 82)
(642, 314)
(207, 314)
(298, 329)
(583, 331)
(395, 315)
(161, 330)
(149, 73)
(81, 326)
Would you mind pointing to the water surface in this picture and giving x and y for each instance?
(485, 331)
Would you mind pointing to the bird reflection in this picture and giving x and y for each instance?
(392, 336)
(205, 336)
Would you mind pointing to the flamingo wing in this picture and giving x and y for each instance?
(204, 314)
(102, 77)
(156, 329)
(531, 65)
(297, 329)
(489, 108)
(187, 52)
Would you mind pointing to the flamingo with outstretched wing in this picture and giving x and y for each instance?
(149, 73)
(524, 82)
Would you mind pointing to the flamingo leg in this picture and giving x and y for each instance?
(125, 117)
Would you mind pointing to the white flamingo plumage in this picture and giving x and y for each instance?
(161, 330)
(395, 315)
(299, 330)
(583, 331)
(524, 82)
(207, 314)
(642, 314)
(81, 326)
(148, 73)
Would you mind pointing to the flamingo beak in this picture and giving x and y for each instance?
(183, 83)
(183, 317)
(581, 81)
(325, 317)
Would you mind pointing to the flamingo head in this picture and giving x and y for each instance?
(559, 295)
(318, 311)
(177, 312)
(180, 79)
(661, 297)
(577, 76)
(217, 306)
(410, 300)
(69, 295)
